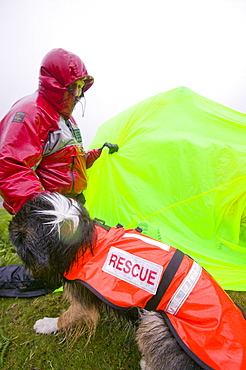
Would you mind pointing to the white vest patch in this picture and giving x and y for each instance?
(133, 269)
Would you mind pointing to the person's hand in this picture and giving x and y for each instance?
(112, 147)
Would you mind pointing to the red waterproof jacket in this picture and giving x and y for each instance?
(128, 269)
(40, 143)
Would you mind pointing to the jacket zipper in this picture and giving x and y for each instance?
(72, 173)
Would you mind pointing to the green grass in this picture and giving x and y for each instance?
(111, 348)
(7, 251)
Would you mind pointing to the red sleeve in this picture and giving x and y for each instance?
(91, 156)
(20, 153)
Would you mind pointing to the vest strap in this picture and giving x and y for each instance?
(167, 277)
(101, 223)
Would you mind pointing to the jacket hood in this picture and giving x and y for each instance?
(58, 70)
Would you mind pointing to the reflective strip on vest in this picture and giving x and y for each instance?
(147, 240)
(184, 289)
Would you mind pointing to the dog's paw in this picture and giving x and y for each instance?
(143, 364)
(47, 325)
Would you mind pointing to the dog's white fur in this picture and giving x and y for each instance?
(47, 325)
(65, 211)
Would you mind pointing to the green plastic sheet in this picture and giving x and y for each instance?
(180, 175)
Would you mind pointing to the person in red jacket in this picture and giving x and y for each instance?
(40, 143)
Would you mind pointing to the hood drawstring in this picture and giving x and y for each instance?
(83, 104)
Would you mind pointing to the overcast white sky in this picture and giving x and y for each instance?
(133, 48)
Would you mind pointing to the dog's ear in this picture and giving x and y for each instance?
(32, 253)
(29, 240)
(19, 227)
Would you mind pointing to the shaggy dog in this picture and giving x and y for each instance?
(52, 233)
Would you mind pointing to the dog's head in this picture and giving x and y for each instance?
(48, 231)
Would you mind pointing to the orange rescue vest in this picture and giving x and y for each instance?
(128, 269)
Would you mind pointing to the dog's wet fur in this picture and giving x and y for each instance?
(49, 231)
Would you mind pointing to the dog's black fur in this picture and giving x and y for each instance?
(46, 253)
(48, 249)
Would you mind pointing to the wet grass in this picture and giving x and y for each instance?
(109, 349)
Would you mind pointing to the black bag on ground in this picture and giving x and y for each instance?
(15, 281)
